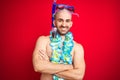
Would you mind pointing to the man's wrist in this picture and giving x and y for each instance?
(70, 66)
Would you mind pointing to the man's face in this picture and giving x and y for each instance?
(63, 21)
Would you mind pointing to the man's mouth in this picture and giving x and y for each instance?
(63, 29)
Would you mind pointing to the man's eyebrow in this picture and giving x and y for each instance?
(63, 19)
(68, 19)
(60, 19)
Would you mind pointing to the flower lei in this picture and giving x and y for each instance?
(61, 50)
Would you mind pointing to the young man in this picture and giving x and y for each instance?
(59, 58)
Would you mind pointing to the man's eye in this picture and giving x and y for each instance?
(60, 20)
(67, 20)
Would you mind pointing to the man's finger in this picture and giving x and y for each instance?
(43, 52)
(44, 55)
(40, 57)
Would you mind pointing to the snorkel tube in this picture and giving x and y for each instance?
(54, 29)
(53, 11)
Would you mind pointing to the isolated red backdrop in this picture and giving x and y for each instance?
(97, 29)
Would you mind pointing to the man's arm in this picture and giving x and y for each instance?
(41, 61)
(77, 73)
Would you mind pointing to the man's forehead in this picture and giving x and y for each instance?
(64, 11)
(63, 18)
(63, 14)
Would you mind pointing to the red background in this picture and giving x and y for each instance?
(97, 29)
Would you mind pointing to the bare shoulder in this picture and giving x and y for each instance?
(42, 42)
(43, 38)
(78, 45)
(78, 48)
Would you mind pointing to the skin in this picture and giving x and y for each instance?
(42, 53)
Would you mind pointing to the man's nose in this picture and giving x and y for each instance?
(63, 24)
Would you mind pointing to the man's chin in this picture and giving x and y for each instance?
(63, 33)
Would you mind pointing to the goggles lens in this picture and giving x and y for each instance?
(62, 6)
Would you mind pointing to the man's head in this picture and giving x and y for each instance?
(63, 21)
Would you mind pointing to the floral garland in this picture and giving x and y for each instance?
(61, 50)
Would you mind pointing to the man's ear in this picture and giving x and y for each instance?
(71, 23)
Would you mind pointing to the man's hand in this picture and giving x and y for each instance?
(43, 55)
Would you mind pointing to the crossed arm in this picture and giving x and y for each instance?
(77, 73)
(42, 64)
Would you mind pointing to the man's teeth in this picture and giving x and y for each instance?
(63, 28)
